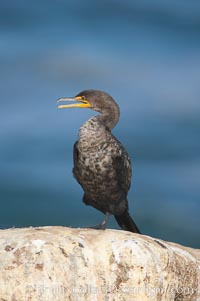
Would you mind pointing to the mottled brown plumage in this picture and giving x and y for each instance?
(101, 164)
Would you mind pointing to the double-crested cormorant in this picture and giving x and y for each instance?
(101, 164)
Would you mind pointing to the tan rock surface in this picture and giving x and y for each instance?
(58, 263)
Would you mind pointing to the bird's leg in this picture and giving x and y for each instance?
(102, 225)
(105, 220)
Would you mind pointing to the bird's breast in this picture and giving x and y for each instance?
(101, 163)
(95, 156)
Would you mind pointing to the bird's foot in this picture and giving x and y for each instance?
(102, 225)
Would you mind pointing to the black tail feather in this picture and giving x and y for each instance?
(126, 222)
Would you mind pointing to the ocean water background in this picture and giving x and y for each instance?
(147, 56)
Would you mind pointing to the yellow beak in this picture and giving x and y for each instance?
(82, 103)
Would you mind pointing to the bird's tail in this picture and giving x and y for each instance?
(126, 222)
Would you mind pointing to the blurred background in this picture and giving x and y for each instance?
(146, 54)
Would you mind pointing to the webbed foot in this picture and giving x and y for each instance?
(102, 225)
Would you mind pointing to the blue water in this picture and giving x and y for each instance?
(147, 56)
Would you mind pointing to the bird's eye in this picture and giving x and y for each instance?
(82, 97)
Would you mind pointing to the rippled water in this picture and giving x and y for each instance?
(147, 55)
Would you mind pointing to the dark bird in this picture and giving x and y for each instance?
(101, 164)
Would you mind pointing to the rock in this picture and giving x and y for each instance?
(58, 263)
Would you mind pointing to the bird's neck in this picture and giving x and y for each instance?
(92, 132)
(95, 130)
(109, 121)
(109, 116)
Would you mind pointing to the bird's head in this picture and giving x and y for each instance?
(96, 100)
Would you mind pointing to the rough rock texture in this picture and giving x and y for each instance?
(58, 263)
